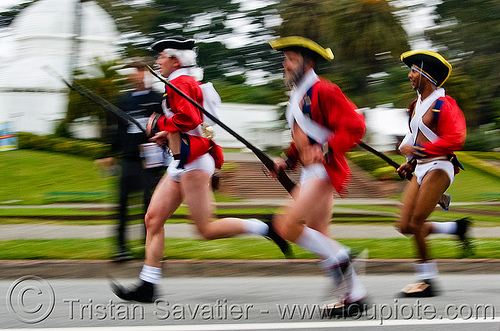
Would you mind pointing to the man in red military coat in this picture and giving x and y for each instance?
(324, 125)
(437, 128)
(188, 177)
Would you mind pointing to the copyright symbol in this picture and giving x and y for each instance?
(31, 299)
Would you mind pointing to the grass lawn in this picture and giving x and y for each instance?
(233, 248)
(35, 177)
(30, 176)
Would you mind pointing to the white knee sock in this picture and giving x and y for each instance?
(427, 270)
(332, 253)
(444, 227)
(150, 274)
(324, 247)
(255, 226)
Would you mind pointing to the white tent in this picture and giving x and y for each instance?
(64, 34)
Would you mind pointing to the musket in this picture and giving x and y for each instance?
(444, 201)
(95, 98)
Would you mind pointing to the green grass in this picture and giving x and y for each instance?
(30, 176)
(478, 182)
(233, 248)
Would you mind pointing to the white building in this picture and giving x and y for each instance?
(258, 124)
(385, 126)
(62, 34)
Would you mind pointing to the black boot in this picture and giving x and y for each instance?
(144, 292)
(463, 226)
(282, 243)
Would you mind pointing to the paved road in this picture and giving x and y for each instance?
(50, 231)
(247, 303)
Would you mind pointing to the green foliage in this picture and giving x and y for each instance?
(469, 30)
(374, 165)
(365, 37)
(86, 148)
(477, 163)
(268, 94)
(107, 85)
(6, 17)
(482, 139)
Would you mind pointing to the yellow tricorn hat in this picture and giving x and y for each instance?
(430, 64)
(296, 42)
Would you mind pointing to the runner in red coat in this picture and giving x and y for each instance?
(329, 107)
(437, 128)
(324, 125)
(196, 156)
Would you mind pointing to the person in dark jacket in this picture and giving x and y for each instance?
(142, 162)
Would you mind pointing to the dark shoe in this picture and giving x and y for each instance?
(423, 289)
(444, 201)
(144, 292)
(463, 226)
(345, 309)
(122, 255)
(282, 243)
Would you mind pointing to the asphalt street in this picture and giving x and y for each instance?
(467, 302)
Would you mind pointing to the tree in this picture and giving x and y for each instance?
(364, 35)
(107, 85)
(6, 17)
(468, 32)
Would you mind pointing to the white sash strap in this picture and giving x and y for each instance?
(428, 133)
(294, 114)
(420, 109)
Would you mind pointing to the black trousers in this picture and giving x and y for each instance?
(134, 179)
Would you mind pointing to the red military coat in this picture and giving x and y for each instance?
(187, 117)
(450, 127)
(329, 107)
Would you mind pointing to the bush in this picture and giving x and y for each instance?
(372, 164)
(482, 139)
(86, 148)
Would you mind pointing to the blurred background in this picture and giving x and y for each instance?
(89, 41)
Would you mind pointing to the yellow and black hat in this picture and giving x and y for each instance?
(430, 64)
(301, 44)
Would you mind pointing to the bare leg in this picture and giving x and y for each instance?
(166, 199)
(431, 189)
(312, 206)
(196, 189)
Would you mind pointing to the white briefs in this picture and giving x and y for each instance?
(423, 168)
(314, 171)
(204, 162)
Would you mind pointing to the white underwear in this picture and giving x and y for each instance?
(423, 168)
(312, 172)
(204, 162)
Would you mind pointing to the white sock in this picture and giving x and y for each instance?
(357, 290)
(332, 253)
(427, 270)
(444, 227)
(150, 274)
(255, 226)
(327, 249)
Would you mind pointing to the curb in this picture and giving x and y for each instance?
(75, 269)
